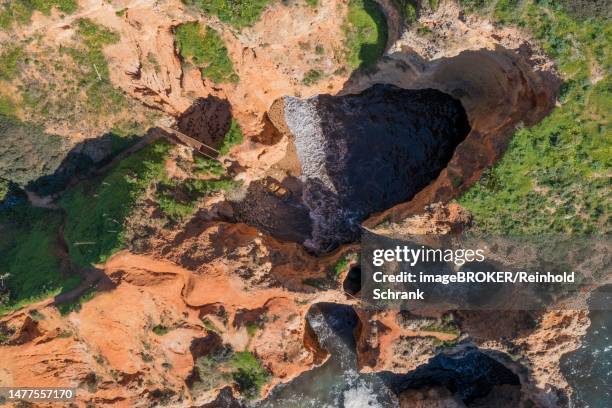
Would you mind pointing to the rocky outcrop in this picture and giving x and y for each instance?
(364, 153)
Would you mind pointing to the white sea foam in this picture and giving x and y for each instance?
(361, 396)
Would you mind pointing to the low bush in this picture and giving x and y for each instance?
(239, 13)
(248, 373)
(204, 48)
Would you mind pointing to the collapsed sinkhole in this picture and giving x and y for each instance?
(359, 154)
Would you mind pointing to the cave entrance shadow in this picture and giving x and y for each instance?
(469, 374)
(207, 120)
(82, 161)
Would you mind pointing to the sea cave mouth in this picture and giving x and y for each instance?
(358, 154)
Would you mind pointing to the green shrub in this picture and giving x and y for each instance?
(7, 106)
(366, 33)
(239, 13)
(205, 49)
(312, 77)
(210, 326)
(312, 3)
(340, 267)
(94, 35)
(27, 153)
(97, 209)
(444, 325)
(233, 137)
(178, 199)
(249, 375)
(9, 63)
(473, 6)
(204, 165)
(407, 9)
(20, 11)
(213, 369)
(101, 94)
(160, 329)
(251, 329)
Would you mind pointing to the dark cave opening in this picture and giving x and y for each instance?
(352, 282)
(469, 374)
(359, 154)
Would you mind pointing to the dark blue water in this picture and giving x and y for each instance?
(589, 369)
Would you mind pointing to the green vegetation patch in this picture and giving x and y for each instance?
(366, 33)
(223, 366)
(555, 176)
(340, 266)
(444, 325)
(239, 13)
(205, 49)
(160, 329)
(102, 97)
(312, 77)
(20, 11)
(178, 199)
(9, 62)
(97, 209)
(206, 166)
(315, 283)
(29, 261)
(76, 83)
(233, 137)
(407, 9)
(8, 107)
(248, 373)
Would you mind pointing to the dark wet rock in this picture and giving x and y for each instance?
(469, 374)
(352, 282)
(364, 153)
